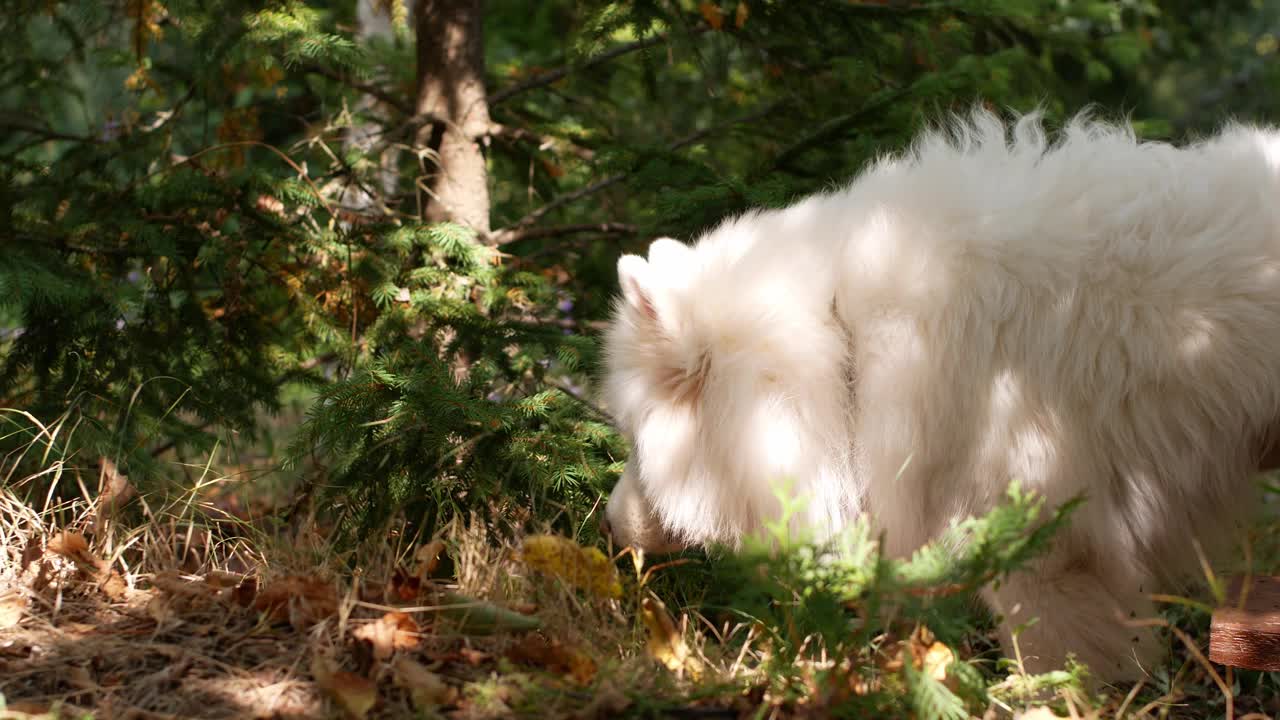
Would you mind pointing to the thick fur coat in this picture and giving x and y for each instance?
(1088, 315)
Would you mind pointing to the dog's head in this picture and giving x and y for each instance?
(725, 374)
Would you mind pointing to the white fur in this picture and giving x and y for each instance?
(1092, 315)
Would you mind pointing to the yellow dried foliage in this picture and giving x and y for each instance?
(582, 567)
(666, 643)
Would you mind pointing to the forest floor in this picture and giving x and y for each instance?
(211, 605)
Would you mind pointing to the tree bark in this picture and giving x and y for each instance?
(450, 85)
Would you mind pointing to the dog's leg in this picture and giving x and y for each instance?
(1077, 612)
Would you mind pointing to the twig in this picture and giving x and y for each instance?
(612, 180)
(398, 104)
(506, 132)
(504, 237)
(833, 127)
(551, 76)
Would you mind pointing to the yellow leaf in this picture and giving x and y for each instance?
(586, 568)
(740, 15)
(356, 695)
(666, 644)
(937, 659)
(712, 13)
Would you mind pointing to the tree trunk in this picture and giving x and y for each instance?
(451, 91)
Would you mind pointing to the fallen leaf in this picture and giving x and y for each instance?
(74, 547)
(403, 586)
(222, 580)
(425, 688)
(297, 599)
(160, 609)
(12, 607)
(389, 633)
(534, 649)
(666, 644)
(583, 567)
(111, 583)
(114, 491)
(70, 545)
(245, 593)
(427, 558)
(355, 694)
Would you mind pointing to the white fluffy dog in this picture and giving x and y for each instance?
(1089, 315)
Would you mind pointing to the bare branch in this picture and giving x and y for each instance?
(551, 76)
(391, 101)
(562, 200)
(506, 132)
(834, 127)
(44, 132)
(504, 237)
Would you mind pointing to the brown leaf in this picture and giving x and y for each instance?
(267, 203)
(111, 583)
(356, 695)
(114, 491)
(12, 607)
(534, 649)
(223, 580)
(70, 545)
(712, 13)
(298, 599)
(404, 586)
(74, 547)
(472, 656)
(393, 631)
(425, 688)
(245, 593)
(427, 558)
(160, 609)
(740, 15)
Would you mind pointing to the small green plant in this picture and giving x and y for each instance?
(844, 600)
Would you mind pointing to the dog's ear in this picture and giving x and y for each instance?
(670, 255)
(636, 278)
(649, 287)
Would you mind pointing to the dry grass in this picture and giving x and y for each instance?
(115, 605)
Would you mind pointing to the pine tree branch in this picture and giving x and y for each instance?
(551, 76)
(500, 236)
